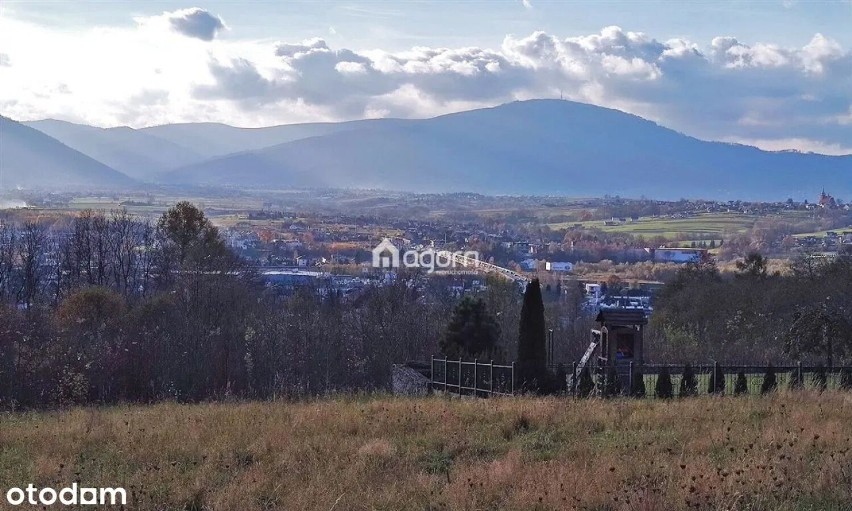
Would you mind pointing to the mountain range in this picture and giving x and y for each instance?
(536, 147)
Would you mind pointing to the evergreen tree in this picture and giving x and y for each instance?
(717, 381)
(472, 331)
(561, 378)
(532, 350)
(770, 381)
(741, 385)
(820, 378)
(612, 384)
(845, 378)
(585, 386)
(637, 388)
(688, 383)
(664, 388)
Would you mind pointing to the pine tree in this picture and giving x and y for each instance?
(688, 383)
(741, 385)
(664, 388)
(770, 381)
(471, 332)
(717, 381)
(532, 350)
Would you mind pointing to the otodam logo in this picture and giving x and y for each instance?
(73, 495)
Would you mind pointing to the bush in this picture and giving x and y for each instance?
(688, 384)
(664, 388)
(612, 384)
(637, 387)
(770, 380)
(586, 385)
(717, 381)
(846, 378)
(741, 385)
(820, 378)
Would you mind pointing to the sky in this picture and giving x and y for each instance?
(776, 74)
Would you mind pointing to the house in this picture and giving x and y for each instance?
(558, 266)
(678, 255)
(529, 264)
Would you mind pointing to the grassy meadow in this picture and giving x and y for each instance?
(790, 451)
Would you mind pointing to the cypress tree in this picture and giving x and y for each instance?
(585, 385)
(688, 383)
(532, 345)
(820, 378)
(741, 385)
(717, 381)
(664, 388)
(770, 381)
(612, 386)
(845, 378)
(637, 388)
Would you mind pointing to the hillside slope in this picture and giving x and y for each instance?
(32, 159)
(530, 147)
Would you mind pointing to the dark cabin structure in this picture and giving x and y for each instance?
(620, 335)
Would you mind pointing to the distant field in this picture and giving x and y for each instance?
(703, 226)
(783, 452)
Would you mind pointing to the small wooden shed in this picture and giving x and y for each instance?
(621, 334)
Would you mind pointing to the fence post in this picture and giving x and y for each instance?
(445, 374)
(630, 381)
(460, 378)
(432, 374)
(513, 378)
(713, 376)
(574, 379)
(491, 378)
(475, 379)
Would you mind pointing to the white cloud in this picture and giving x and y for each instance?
(527, 4)
(153, 73)
(194, 22)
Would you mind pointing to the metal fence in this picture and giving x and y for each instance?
(472, 378)
(786, 377)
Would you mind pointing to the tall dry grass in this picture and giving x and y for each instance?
(784, 452)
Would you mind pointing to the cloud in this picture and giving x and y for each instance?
(5, 61)
(720, 89)
(527, 4)
(195, 22)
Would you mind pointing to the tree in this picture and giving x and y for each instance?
(770, 381)
(688, 383)
(472, 331)
(190, 238)
(717, 381)
(664, 388)
(637, 388)
(752, 266)
(586, 385)
(532, 350)
(741, 385)
(822, 329)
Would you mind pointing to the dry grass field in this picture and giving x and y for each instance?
(785, 452)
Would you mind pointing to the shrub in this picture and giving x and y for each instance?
(637, 387)
(612, 384)
(770, 380)
(820, 379)
(846, 378)
(688, 384)
(585, 385)
(741, 385)
(664, 388)
(717, 381)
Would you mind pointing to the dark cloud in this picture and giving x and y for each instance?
(196, 22)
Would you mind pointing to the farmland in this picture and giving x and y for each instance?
(789, 451)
